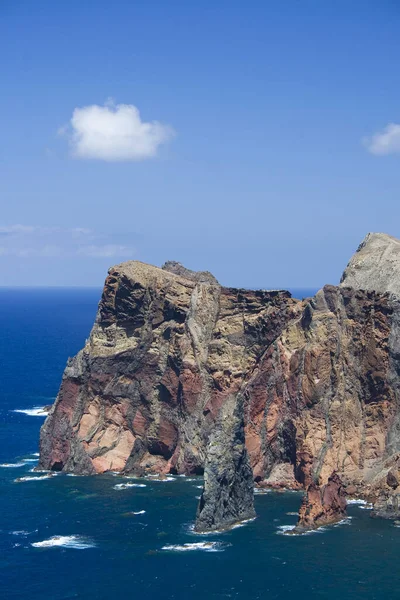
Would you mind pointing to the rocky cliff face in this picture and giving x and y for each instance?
(168, 348)
(228, 493)
(171, 350)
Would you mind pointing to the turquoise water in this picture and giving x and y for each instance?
(104, 549)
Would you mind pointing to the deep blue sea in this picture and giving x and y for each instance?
(136, 542)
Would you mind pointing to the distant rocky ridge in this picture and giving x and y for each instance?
(375, 266)
(316, 383)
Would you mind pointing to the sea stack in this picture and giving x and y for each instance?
(228, 494)
(322, 505)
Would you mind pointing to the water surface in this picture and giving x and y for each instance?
(87, 537)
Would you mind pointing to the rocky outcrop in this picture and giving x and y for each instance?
(376, 265)
(164, 355)
(228, 492)
(171, 350)
(198, 276)
(322, 505)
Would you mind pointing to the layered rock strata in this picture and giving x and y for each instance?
(164, 355)
(318, 380)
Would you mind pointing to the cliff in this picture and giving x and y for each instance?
(165, 353)
(317, 381)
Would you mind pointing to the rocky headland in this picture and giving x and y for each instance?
(183, 375)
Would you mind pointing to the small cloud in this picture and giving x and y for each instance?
(386, 141)
(108, 250)
(27, 241)
(114, 133)
(81, 232)
(16, 229)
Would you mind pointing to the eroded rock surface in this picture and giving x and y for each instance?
(322, 505)
(164, 355)
(376, 265)
(319, 380)
(228, 494)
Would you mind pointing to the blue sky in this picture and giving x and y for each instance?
(269, 161)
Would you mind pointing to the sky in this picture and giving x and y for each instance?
(259, 140)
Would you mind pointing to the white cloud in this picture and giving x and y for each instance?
(108, 250)
(16, 229)
(386, 141)
(114, 133)
(27, 241)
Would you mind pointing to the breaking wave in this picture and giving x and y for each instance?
(30, 478)
(12, 465)
(360, 503)
(287, 529)
(205, 546)
(65, 541)
(36, 411)
(160, 479)
(124, 486)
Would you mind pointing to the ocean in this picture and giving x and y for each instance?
(105, 537)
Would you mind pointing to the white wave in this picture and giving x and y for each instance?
(29, 478)
(200, 487)
(124, 486)
(12, 465)
(258, 490)
(138, 512)
(66, 541)
(161, 479)
(218, 531)
(360, 503)
(35, 454)
(286, 529)
(205, 546)
(36, 411)
(242, 523)
(22, 533)
(345, 521)
(29, 460)
(292, 514)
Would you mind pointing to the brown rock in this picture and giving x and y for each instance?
(322, 505)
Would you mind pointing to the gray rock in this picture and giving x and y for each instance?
(177, 268)
(375, 266)
(228, 494)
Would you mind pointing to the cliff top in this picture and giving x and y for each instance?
(375, 265)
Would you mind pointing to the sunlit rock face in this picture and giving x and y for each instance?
(167, 349)
(317, 380)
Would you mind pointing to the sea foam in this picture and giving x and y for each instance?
(124, 486)
(29, 478)
(205, 546)
(36, 411)
(65, 541)
(12, 465)
(360, 503)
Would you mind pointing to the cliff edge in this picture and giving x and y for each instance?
(317, 382)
